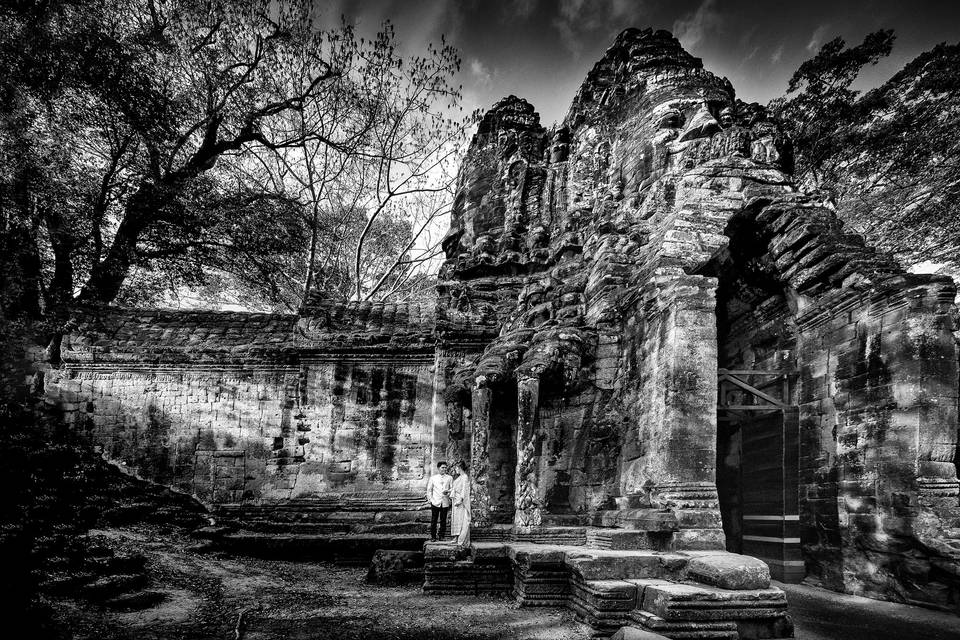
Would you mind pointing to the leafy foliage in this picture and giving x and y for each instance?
(824, 107)
(137, 141)
(888, 158)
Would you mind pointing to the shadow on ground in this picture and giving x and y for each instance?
(207, 595)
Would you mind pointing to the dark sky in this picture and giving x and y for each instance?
(542, 49)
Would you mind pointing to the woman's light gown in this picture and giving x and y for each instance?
(460, 526)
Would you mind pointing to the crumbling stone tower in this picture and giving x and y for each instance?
(690, 346)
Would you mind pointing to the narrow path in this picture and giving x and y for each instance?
(824, 615)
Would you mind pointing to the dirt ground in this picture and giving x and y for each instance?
(207, 595)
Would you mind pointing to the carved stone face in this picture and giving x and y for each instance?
(727, 117)
(681, 125)
(675, 120)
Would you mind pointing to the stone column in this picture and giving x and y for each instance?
(480, 458)
(676, 438)
(439, 418)
(529, 511)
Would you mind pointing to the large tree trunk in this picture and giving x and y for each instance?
(107, 276)
(60, 293)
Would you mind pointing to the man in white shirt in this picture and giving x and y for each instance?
(438, 495)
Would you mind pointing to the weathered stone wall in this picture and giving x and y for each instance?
(236, 408)
(195, 430)
(879, 374)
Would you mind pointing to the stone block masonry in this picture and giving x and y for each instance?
(228, 408)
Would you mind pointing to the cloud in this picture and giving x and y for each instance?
(480, 72)
(816, 38)
(776, 55)
(416, 26)
(518, 10)
(691, 29)
(577, 20)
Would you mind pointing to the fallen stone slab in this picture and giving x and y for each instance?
(728, 570)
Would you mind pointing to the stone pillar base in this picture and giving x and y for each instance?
(694, 506)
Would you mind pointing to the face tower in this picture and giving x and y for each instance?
(663, 312)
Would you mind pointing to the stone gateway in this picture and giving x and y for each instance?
(672, 372)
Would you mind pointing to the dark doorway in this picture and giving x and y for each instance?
(757, 417)
(502, 453)
(757, 470)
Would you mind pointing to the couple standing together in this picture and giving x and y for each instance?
(444, 491)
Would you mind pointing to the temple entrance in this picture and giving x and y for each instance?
(757, 415)
(502, 452)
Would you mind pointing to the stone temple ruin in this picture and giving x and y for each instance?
(673, 373)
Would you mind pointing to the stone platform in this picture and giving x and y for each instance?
(340, 529)
(678, 594)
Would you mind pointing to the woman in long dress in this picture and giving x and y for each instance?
(460, 493)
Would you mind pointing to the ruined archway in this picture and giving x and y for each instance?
(757, 416)
(830, 463)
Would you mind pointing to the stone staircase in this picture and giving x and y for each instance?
(345, 528)
(709, 595)
(91, 570)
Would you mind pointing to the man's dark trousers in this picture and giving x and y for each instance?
(441, 513)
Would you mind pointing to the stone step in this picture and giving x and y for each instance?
(333, 528)
(625, 539)
(552, 535)
(685, 630)
(494, 533)
(671, 600)
(603, 564)
(297, 528)
(485, 569)
(563, 520)
(673, 608)
(395, 528)
(657, 592)
(352, 549)
(603, 604)
(321, 507)
(540, 585)
(638, 519)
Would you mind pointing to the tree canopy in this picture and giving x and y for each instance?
(889, 158)
(149, 145)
